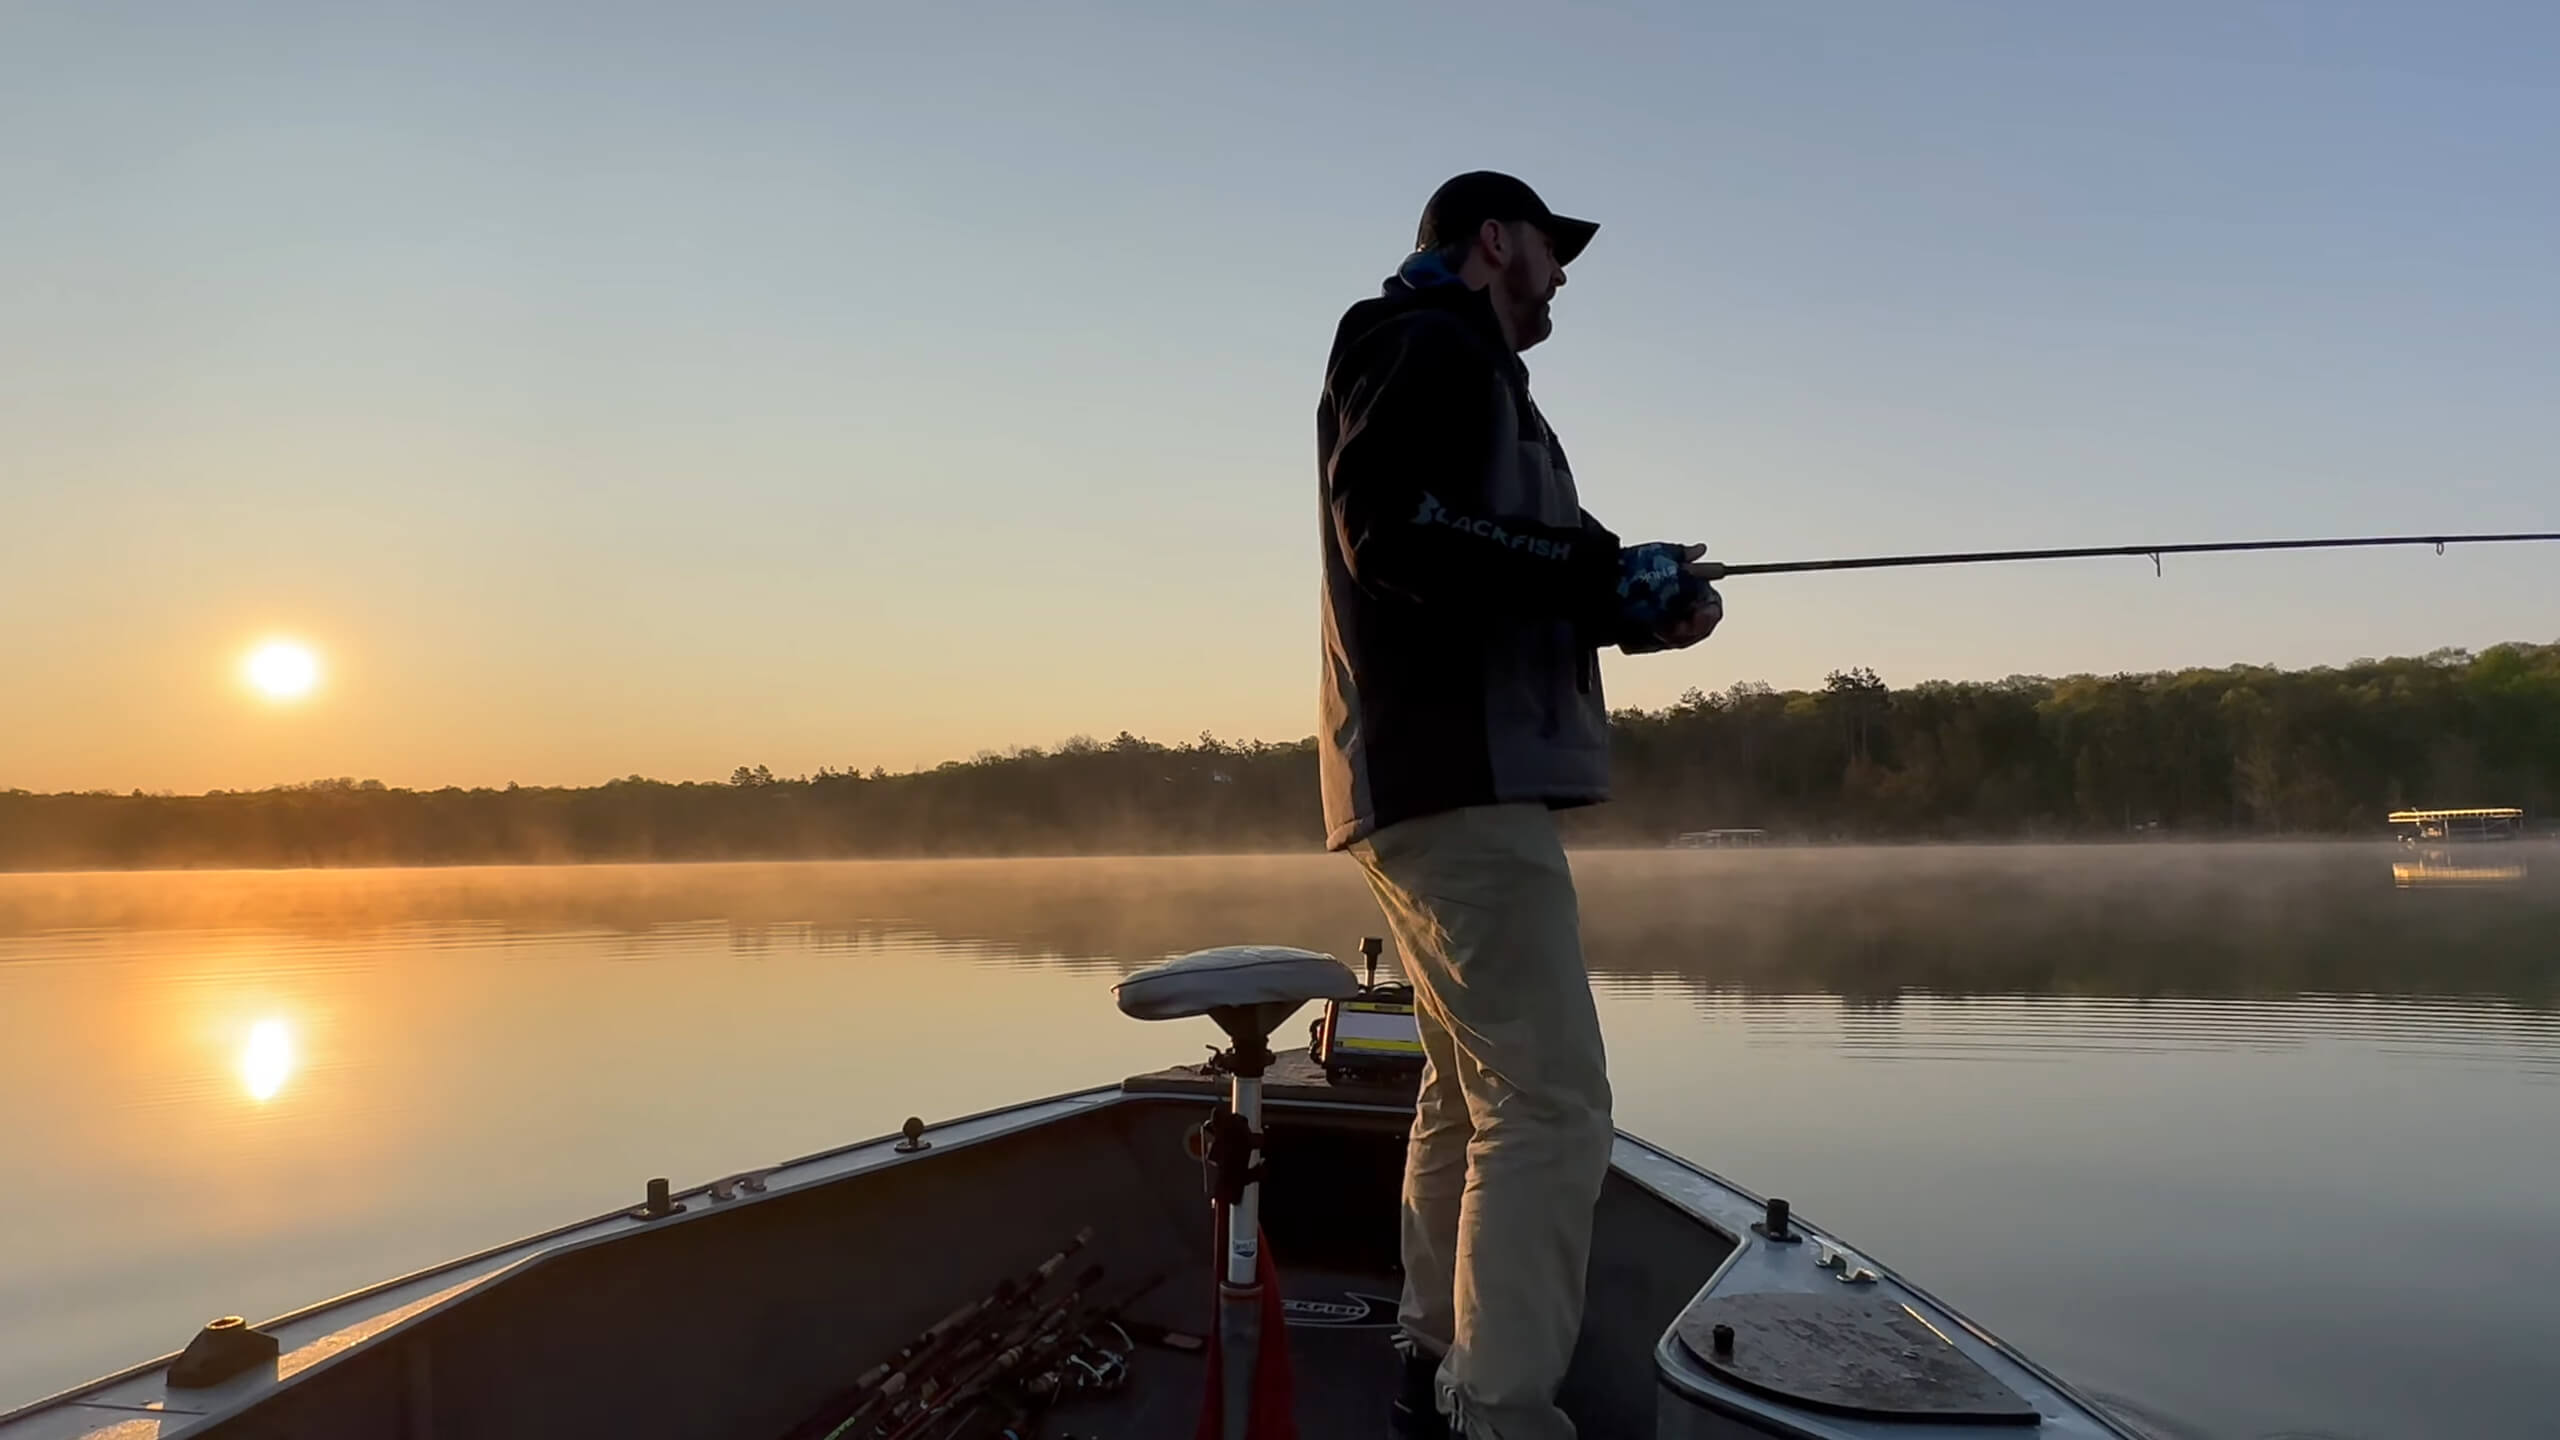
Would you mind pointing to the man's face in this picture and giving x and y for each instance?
(1531, 277)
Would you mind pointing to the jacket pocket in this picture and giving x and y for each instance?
(1541, 681)
(1563, 681)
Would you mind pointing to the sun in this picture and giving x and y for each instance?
(282, 669)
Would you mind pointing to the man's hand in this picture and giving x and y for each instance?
(1687, 630)
(1665, 601)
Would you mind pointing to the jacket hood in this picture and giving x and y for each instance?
(1421, 283)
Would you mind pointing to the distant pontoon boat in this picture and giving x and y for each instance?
(2457, 827)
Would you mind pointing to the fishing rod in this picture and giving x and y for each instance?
(2152, 553)
(995, 1353)
(887, 1384)
(1033, 1339)
(1032, 1376)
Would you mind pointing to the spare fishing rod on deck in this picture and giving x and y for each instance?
(1714, 570)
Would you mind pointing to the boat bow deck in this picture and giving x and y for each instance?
(1677, 1252)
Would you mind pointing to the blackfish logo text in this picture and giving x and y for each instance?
(1435, 513)
(1354, 1311)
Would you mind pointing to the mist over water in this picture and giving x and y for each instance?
(2185, 1122)
(2219, 919)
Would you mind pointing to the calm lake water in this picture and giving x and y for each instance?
(2255, 1140)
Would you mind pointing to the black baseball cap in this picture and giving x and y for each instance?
(1460, 207)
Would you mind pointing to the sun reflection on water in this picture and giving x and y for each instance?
(266, 1061)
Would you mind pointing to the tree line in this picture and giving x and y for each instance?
(2237, 751)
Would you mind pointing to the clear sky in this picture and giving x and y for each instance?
(611, 389)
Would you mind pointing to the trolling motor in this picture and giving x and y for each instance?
(1248, 990)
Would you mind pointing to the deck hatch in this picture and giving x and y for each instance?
(1859, 1355)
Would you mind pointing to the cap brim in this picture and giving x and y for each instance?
(1568, 236)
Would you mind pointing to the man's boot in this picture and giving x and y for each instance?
(1417, 1409)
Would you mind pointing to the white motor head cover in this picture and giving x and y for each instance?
(1232, 976)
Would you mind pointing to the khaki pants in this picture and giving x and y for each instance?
(1511, 1135)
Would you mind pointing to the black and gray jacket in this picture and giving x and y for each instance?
(1466, 591)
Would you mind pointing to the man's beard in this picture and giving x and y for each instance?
(1531, 323)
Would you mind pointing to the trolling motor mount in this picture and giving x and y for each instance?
(1230, 1156)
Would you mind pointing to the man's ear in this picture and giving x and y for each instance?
(1494, 238)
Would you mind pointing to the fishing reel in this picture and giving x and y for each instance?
(1095, 1367)
(1372, 1037)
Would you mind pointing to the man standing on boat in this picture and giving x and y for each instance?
(1467, 596)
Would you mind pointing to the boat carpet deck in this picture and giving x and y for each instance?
(1343, 1375)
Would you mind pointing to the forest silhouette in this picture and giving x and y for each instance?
(2193, 753)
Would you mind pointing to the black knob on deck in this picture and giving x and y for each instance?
(659, 1204)
(222, 1349)
(1773, 1224)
